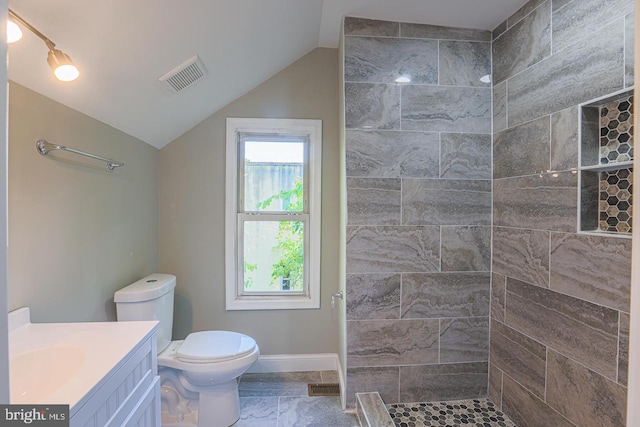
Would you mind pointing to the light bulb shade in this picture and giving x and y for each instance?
(14, 33)
(62, 65)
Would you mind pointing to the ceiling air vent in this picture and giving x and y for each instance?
(185, 74)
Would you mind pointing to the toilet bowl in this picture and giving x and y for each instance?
(209, 364)
(205, 365)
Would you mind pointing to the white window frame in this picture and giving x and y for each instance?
(310, 298)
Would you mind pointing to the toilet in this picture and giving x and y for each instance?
(199, 375)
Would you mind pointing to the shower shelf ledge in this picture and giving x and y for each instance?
(608, 166)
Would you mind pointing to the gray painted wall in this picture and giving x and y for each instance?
(418, 234)
(192, 189)
(77, 232)
(560, 300)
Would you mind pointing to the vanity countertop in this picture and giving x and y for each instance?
(62, 363)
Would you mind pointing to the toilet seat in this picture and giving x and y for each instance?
(214, 346)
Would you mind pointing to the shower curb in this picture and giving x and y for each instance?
(372, 411)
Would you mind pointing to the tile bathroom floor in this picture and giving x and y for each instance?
(475, 412)
(281, 400)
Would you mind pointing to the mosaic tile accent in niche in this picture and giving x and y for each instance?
(476, 412)
(616, 131)
(616, 196)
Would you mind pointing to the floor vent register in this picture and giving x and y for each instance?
(324, 389)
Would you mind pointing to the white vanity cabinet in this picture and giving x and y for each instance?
(107, 372)
(128, 397)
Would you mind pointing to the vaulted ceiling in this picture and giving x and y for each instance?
(122, 47)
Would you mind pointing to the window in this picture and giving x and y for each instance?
(273, 214)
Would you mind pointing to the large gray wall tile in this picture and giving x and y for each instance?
(495, 385)
(529, 7)
(384, 380)
(392, 342)
(433, 295)
(464, 63)
(522, 254)
(499, 30)
(425, 31)
(383, 60)
(590, 132)
(522, 150)
(579, 20)
(593, 268)
(370, 27)
(443, 382)
(524, 44)
(586, 332)
(623, 350)
(391, 249)
(526, 410)
(589, 69)
(386, 142)
(465, 156)
(629, 56)
(498, 296)
(589, 200)
(517, 355)
(583, 396)
(544, 202)
(465, 248)
(572, 310)
(446, 202)
(372, 106)
(564, 139)
(500, 107)
(392, 154)
(464, 340)
(558, 4)
(446, 109)
(373, 201)
(373, 296)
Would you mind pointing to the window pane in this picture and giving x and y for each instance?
(273, 176)
(273, 256)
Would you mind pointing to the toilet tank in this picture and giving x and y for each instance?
(150, 298)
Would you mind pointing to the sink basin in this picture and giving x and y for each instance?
(68, 363)
(39, 373)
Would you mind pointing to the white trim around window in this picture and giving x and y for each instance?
(235, 216)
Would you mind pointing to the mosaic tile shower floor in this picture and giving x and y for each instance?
(476, 413)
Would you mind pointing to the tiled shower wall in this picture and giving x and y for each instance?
(418, 159)
(560, 300)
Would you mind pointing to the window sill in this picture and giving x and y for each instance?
(272, 303)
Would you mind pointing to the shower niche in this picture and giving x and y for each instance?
(606, 165)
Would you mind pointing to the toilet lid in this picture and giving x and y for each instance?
(214, 346)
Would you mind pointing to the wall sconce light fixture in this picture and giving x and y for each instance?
(61, 63)
(14, 33)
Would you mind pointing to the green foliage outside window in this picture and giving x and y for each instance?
(290, 239)
(248, 268)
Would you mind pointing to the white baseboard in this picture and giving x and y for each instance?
(296, 363)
